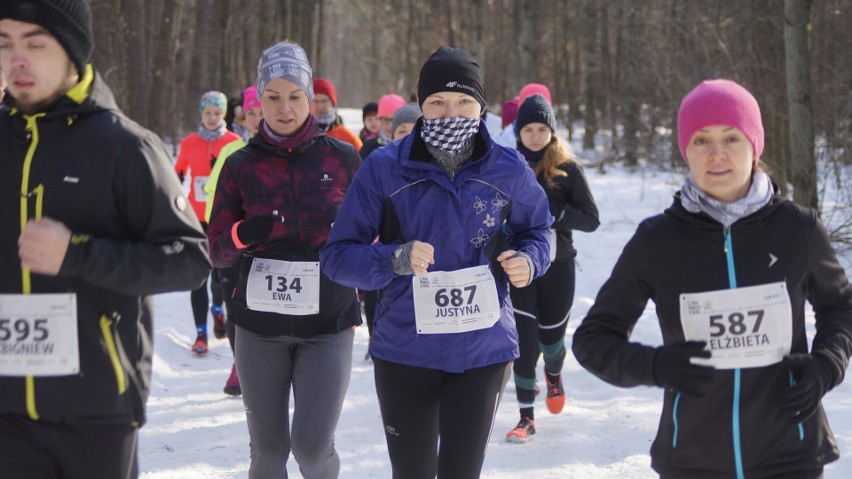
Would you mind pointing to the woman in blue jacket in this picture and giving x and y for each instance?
(729, 267)
(458, 218)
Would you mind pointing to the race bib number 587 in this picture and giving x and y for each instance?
(743, 327)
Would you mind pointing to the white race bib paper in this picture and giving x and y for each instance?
(38, 335)
(455, 301)
(200, 192)
(746, 327)
(283, 287)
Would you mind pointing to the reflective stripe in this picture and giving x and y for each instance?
(31, 405)
(801, 427)
(674, 419)
(26, 285)
(113, 354)
(732, 280)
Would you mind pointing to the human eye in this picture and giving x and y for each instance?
(698, 141)
(733, 139)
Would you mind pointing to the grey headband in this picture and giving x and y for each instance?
(286, 61)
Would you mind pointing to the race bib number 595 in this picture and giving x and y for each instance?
(38, 335)
(743, 327)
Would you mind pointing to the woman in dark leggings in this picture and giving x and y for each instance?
(542, 308)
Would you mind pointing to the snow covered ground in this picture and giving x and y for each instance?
(195, 431)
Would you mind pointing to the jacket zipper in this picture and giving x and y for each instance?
(112, 352)
(732, 283)
(26, 194)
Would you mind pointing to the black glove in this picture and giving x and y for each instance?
(810, 383)
(673, 368)
(257, 229)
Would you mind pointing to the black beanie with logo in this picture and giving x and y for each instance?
(451, 69)
(69, 21)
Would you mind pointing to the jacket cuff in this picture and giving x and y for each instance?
(235, 238)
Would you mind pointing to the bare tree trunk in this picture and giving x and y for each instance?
(591, 114)
(797, 15)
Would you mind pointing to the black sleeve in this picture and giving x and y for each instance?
(580, 212)
(830, 294)
(166, 249)
(601, 343)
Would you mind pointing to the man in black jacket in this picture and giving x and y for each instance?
(94, 222)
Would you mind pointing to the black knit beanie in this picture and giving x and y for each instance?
(535, 109)
(69, 21)
(371, 107)
(451, 69)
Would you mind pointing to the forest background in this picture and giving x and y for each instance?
(617, 69)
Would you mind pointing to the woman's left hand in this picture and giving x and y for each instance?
(516, 267)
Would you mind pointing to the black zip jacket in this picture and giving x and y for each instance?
(306, 185)
(679, 252)
(572, 206)
(111, 183)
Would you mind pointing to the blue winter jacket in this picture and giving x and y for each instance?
(400, 194)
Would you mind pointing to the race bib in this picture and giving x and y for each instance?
(283, 287)
(38, 335)
(455, 301)
(200, 193)
(744, 327)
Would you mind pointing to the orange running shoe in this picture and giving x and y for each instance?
(555, 395)
(522, 432)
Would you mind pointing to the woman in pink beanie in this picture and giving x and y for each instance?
(729, 267)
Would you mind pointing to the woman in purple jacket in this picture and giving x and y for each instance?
(458, 218)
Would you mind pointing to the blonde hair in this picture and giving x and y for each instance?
(556, 154)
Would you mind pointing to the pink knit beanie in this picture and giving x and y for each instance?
(389, 104)
(531, 89)
(719, 102)
(250, 98)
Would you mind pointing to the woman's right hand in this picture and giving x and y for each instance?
(422, 255)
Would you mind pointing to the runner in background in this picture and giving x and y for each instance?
(229, 276)
(542, 309)
(458, 218)
(729, 266)
(369, 115)
(94, 223)
(196, 157)
(324, 108)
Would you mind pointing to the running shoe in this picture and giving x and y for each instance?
(555, 395)
(232, 386)
(200, 346)
(522, 432)
(218, 321)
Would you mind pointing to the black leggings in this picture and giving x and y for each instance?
(48, 450)
(541, 315)
(198, 297)
(421, 405)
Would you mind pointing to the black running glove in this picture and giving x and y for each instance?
(810, 383)
(257, 229)
(674, 370)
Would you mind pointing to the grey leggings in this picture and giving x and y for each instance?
(318, 369)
